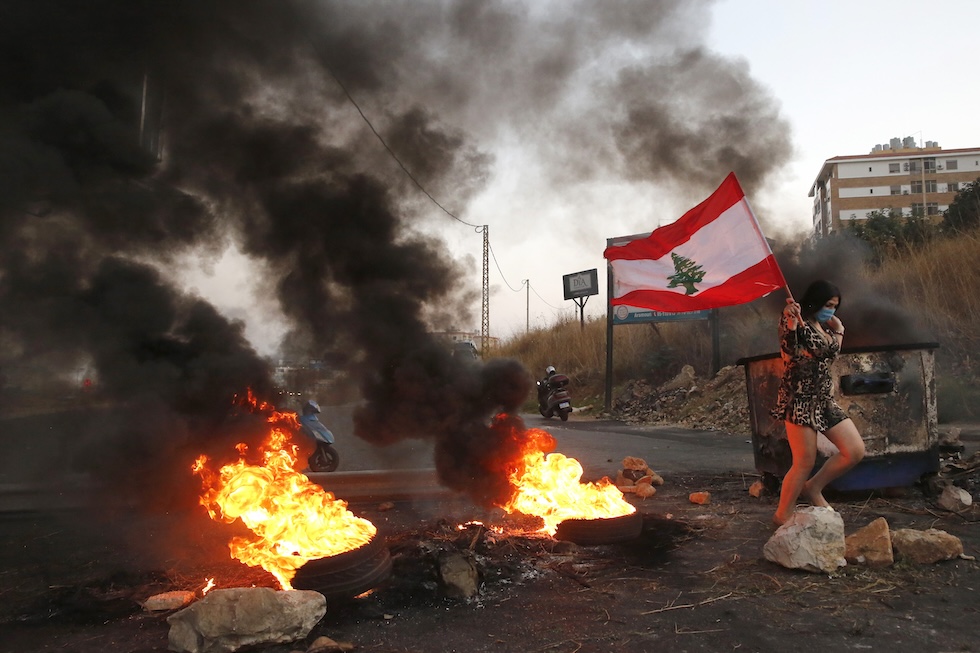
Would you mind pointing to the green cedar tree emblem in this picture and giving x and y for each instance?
(686, 273)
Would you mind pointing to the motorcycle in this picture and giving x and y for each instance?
(325, 458)
(554, 398)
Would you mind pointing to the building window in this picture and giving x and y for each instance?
(952, 164)
(914, 166)
(916, 186)
(931, 186)
(894, 167)
(896, 190)
(953, 187)
(930, 165)
(916, 209)
(932, 208)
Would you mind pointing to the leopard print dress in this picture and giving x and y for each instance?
(805, 394)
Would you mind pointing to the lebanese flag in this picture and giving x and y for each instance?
(714, 255)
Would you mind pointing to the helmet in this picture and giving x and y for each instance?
(549, 370)
(311, 407)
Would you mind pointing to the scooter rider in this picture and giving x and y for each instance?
(549, 372)
(314, 428)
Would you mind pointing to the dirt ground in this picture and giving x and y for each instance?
(695, 580)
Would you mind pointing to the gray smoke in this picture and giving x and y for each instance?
(871, 317)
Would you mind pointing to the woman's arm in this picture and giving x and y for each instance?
(836, 327)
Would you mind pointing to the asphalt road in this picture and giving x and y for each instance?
(405, 470)
(601, 445)
(593, 442)
(37, 471)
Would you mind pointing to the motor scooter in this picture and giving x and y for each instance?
(554, 398)
(325, 458)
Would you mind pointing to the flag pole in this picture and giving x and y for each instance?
(758, 228)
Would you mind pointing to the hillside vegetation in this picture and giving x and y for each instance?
(925, 293)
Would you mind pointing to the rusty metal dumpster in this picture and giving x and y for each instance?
(890, 394)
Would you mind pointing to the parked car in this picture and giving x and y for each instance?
(465, 349)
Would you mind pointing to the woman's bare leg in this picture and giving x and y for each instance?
(803, 444)
(850, 451)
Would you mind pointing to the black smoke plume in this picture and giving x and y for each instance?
(871, 318)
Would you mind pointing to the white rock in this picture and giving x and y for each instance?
(226, 620)
(955, 499)
(812, 540)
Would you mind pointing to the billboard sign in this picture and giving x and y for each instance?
(581, 284)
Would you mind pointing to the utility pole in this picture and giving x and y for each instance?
(485, 330)
(527, 305)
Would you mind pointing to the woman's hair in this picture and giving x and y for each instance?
(818, 294)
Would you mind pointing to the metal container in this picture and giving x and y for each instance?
(890, 394)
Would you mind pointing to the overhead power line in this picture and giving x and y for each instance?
(557, 308)
(394, 156)
(497, 263)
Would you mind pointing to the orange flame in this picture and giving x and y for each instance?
(293, 519)
(549, 486)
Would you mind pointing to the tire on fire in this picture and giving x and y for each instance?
(347, 574)
(601, 531)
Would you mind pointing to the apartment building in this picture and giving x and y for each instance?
(898, 175)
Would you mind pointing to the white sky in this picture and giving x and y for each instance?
(847, 74)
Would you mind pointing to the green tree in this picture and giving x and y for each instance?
(686, 273)
(881, 230)
(888, 232)
(917, 230)
(963, 213)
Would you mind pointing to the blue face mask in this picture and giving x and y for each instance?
(824, 314)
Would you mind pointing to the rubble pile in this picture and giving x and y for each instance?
(719, 403)
(637, 478)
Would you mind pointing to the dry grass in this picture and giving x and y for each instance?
(655, 352)
(940, 282)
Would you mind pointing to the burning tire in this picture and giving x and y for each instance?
(346, 574)
(601, 531)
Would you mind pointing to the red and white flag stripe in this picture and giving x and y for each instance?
(714, 255)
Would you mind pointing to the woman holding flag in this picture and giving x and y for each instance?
(715, 255)
(810, 336)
